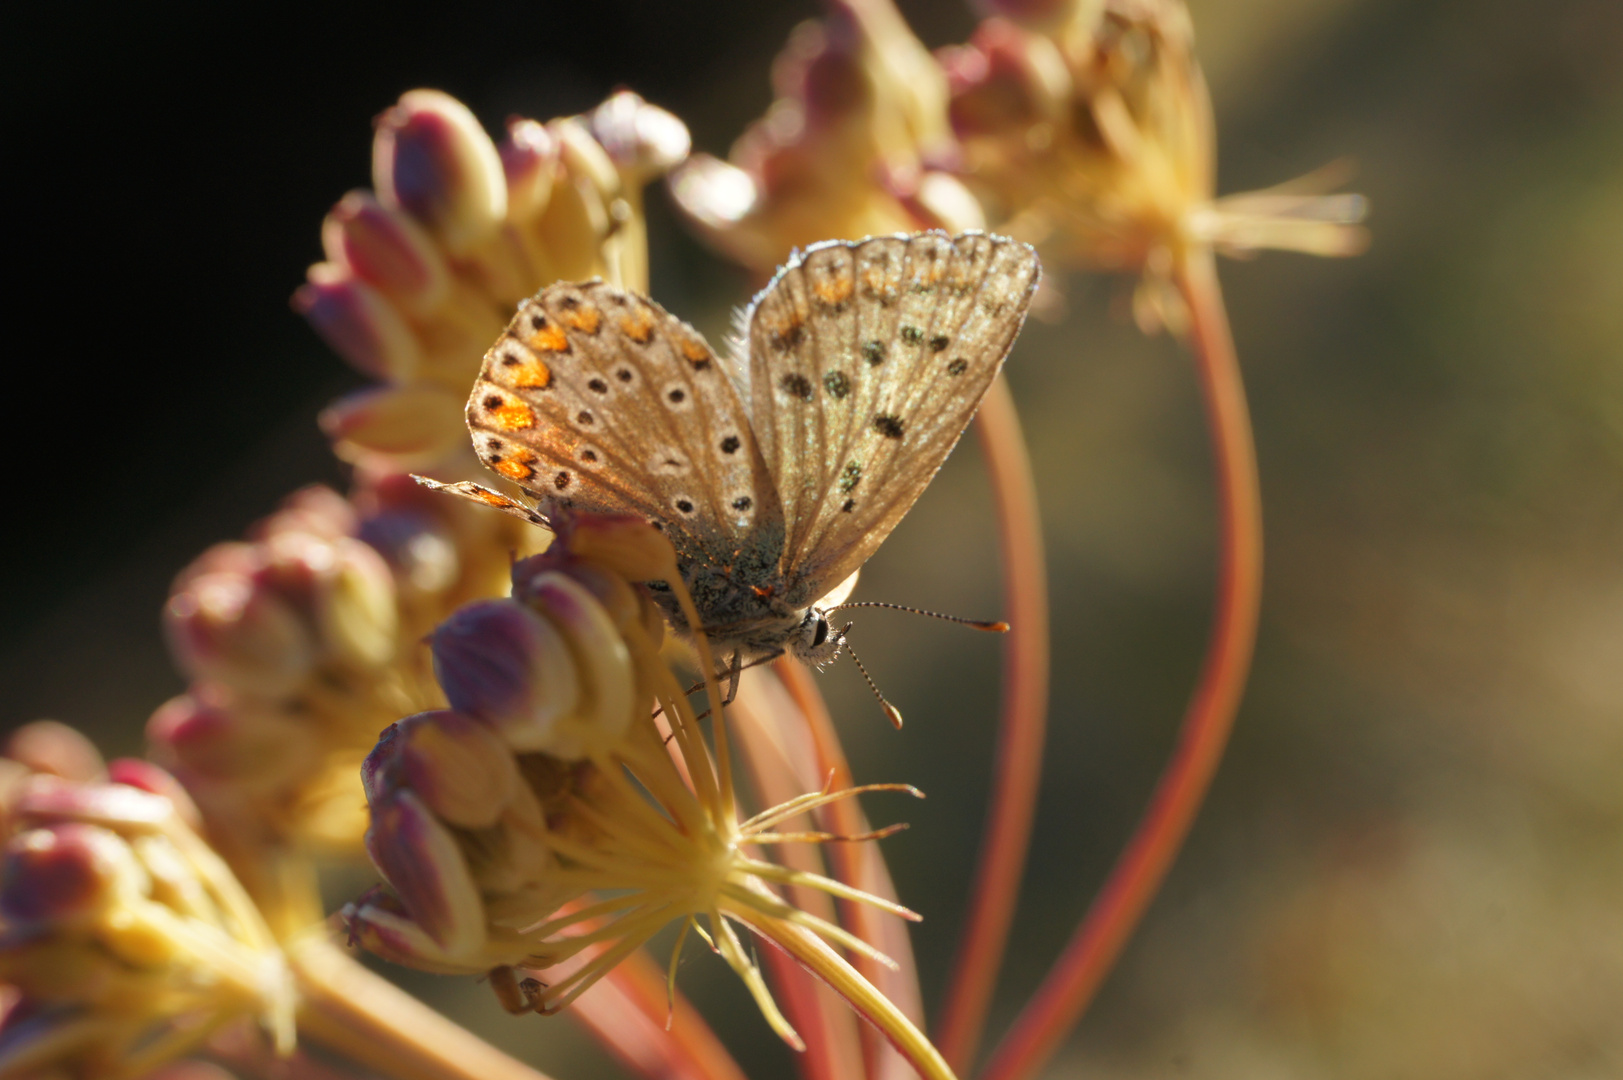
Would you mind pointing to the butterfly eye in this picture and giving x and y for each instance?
(820, 632)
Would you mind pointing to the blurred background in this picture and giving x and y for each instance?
(1412, 861)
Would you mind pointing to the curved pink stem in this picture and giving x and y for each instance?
(1076, 976)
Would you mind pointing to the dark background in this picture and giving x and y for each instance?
(1412, 865)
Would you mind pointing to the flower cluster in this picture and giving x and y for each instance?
(1088, 132)
(566, 806)
(303, 642)
(422, 272)
(126, 939)
(848, 149)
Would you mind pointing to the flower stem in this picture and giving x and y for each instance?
(1022, 720)
(1093, 949)
(347, 1008)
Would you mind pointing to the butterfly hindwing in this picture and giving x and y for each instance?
(867, 362)
(598, 399)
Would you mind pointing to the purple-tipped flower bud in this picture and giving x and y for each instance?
(432, 160)
(420, 858)
(640, 138)
(358, 323)
(387, 250)
(456, 764)
(65, 874)
(222, 627)
(530, 162)
(501, 662)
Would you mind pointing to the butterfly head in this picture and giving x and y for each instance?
(816, 641)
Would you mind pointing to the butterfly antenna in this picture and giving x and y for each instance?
(995, 626)
(892, 713)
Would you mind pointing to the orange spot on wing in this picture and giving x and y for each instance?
(584, 318)
(638, 326)
(518, 466)
(548, 339)
(532, 376)
(763, 591)
(834, 290)
(490, 498)
(695, 350)
(513, 416)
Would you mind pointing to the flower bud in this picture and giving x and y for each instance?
(421, 860)
(46, 746)
(358, 323)
(356, 610)
(421, 554)
(1005, 80)
(642, 139)
(414, 424)
(456, 764)
(65, 874)
(44, 800)
(235, 744)
(387, 250)
(530, 162)
(222, 627)
(501, 662)
(432, 160)
(147, 777)
(316, 509)
(606, 675)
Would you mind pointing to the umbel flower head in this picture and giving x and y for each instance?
(845, 150)
(126, 937)
(422, 272)
(566, 806)
(302, 643)
(1086, 129)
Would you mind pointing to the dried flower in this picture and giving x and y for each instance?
(846, 150)
(128, 939)
(544, 824)
(422, 273)
(1091, 136)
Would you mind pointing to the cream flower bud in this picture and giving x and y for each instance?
(315, 509)
(355, 611)
(432, 160)
(358, 323)
(607, 680)
(46, 746)
(505, 664)
(387, 250)
(410, 424)
(222, 627)
(530, 163)
(205, 740)
(642, 139)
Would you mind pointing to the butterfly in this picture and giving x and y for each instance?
(775, 473)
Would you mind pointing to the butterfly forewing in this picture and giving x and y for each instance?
(867, 362)
(598, 399)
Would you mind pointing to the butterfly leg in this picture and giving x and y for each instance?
(734, 670)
